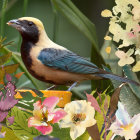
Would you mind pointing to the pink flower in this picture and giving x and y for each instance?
(131, 34)
(45, 115)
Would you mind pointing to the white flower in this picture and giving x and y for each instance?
(125, 58)
(124, 125)
(80, 115)
(137, 52)
(136, 12)
(124, 21)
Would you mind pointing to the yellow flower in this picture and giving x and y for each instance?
(108, 49)
(107, 38)
(106, 13)
(136, 68)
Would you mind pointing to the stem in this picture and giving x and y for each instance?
(25, 4)
(23, 68)
(10, 4)
(55, 26)
(56, 22)
(3, 11)
(78, 94)
(25, 7)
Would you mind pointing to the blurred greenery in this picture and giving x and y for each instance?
(77, 25)
(56, 21)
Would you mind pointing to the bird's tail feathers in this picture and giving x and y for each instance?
(117, 78)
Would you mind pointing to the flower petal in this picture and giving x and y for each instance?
(115, 128)
(128, 134)
(2, 135)
(11, 120)
(51, 102)
(37, 105)
(76, 132)
(66, 121)
(44, 129)
(38, 114)
(136, 123)
(136, 68)
(32, 122)
(3, 115)
(106, 13)
(120, 54)
(9, 101)
(122, 115)
(59, 114)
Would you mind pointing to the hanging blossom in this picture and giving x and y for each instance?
(124, 24)
(124, 125)
(80, 115)
(44, 115)
(125, 58)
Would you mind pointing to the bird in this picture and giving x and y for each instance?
(53, 63)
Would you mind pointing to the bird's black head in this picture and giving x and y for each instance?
(28, 27)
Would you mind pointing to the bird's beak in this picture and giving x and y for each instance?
(14, 23)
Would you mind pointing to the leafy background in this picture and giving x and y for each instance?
(60, 27)
(67, 26)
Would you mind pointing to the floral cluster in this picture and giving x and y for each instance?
(78, 115)
(124, 26)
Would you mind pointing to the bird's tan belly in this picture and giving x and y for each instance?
(51, 75)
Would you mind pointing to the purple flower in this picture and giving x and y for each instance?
(11, 120)
(7, 101)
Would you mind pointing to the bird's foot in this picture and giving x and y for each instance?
(52, 87)
(72, 86)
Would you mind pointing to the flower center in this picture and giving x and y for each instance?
(127, 127)
(78, 118)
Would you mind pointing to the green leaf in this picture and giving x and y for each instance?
(27, 101)
(9, 134)
(20, 125)
(130, 101)
(85, 136)
(17, 59)
(38, 93)
(61, 133)
(10, 68)
(5, 58)
(74, 15)
(7, 69)
(128, 98)
(99, 117)
(78, 19)
(131, 75)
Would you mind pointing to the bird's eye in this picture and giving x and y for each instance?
(30, 23)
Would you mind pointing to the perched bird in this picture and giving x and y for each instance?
(52, 63)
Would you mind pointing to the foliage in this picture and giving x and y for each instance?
(20, 125)
(123, 35)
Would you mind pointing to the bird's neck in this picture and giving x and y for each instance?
(25, 52)
(27, 46)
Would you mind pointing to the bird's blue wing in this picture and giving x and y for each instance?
(67, 61)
